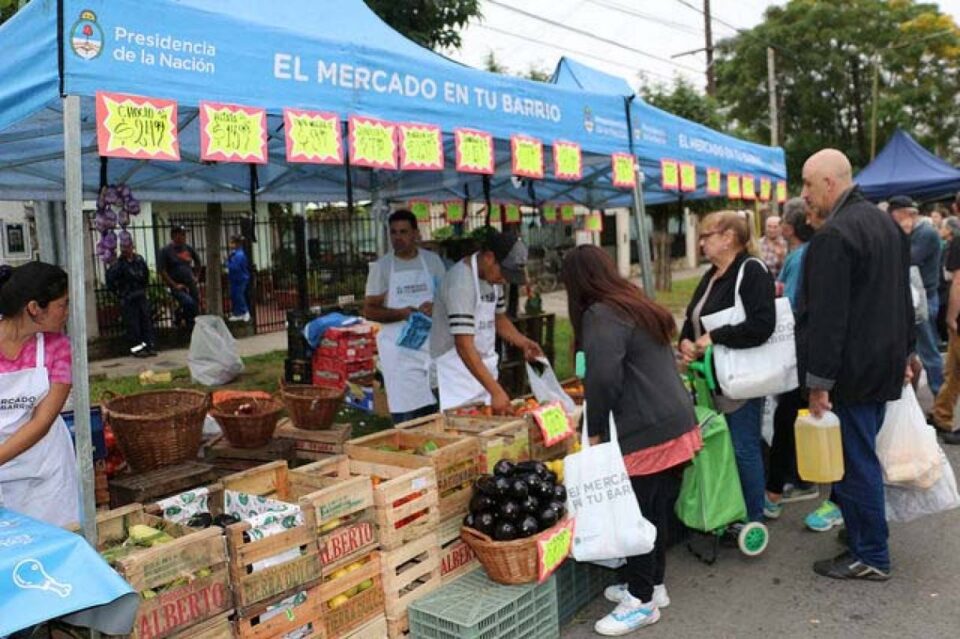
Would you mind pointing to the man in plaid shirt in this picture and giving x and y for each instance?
(773, 248)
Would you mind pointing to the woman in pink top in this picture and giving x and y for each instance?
(38, 469)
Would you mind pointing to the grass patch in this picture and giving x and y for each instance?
(677, 299)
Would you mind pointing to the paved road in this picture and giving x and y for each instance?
(777, 596)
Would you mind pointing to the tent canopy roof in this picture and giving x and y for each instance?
(904, 167)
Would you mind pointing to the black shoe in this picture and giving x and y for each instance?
(142, 353)
(845, 566)
(842, 535)
(151, 352)
(952, 438)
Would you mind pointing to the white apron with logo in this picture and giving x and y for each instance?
(42, 481)
(406, 372)
(458, 386)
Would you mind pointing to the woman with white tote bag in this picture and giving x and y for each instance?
(631, 374)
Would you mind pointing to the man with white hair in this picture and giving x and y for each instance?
(773, 248)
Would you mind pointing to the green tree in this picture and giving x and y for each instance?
(825, 55)
(537, 74)
(491, 64)
(432, 23)
(683, 99)
(7, 9)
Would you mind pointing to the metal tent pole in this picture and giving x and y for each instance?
(73, 192)
(640, 213)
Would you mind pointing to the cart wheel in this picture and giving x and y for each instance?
(753, 539)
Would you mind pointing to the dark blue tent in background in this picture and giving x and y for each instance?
(904, 167)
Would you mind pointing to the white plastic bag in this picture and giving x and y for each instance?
(546, 388)
(768, 369)
(213, 358)
(766, 419)
(907, 504)
(918, 293)
(609, 524)
(906, 446)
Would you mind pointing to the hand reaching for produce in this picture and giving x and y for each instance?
(500, 403)
(531, 350)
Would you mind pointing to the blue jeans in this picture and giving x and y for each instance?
(423, 411)
(928, 341)
(189, 302)
(238, 297)
(745, 431)
(860, 493)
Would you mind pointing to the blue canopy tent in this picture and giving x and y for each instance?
(904, 167)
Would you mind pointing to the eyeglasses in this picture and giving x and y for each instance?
(704, 236)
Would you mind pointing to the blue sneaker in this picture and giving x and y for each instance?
(772, 509)
(824, 518)
(629, 615)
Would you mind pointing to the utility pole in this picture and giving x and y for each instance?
(708, 34)
(874, 94)
(772, 96)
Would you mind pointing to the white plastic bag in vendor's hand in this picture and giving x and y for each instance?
(906, 445)
(546, 388)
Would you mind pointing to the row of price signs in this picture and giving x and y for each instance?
(509, 213)
(682, 176)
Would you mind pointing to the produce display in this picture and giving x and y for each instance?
(346, 595)
(376, 481)
(518, 500)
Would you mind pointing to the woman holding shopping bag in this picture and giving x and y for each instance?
(631, 373)
(724, 239)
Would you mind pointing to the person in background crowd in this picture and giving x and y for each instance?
(936, 218)
(943, 407)
(925, 255)
(400, 284)
(38, 466)
(725, 239)
(773, 247)
(949, 229)
(854, 334)
(783, 453)
(631, 374)
(178, 264)
(128, 279)
(238, 274)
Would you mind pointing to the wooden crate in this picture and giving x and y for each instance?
(559, 450)
(409, 573)
(375, 629)
(313, 445)
(179, 607)
(500, 438)
(255, 623)
(220, 627)
(430, 424)
(229, 459)
(454, 461)
(456, 557)
(406, 502)
(362, 606)
(155, 485)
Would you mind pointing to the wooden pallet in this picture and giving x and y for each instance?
(409, 573)
(155, 485)
(454, 461)
(406, 502)
(363, 605)
(255, 622)
(230, 459)
(456, 557)
(314, 445)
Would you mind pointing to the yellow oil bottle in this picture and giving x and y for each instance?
(819, 447)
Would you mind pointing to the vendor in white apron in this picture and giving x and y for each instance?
(400, 285)
(38, 466)
(468, 315)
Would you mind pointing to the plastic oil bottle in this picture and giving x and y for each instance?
(819, 447)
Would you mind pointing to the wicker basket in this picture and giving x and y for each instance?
(506, 562)
(312, 407)
(157, 428)
(251, 430)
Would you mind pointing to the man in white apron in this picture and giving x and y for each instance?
(469, 314)
(401, 284)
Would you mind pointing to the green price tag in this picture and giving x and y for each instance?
(594, 222)
(688, 177)
(623, 175)
(512, 213)
(553, 546)
(527, 157)
(567, 160)
(474, 152)
(670, 175)
(454, 211)
(553, 422)
(713, 181)
(568, 213)
(748, 189)
(781, 191)
(550, 212)
(764, 189)
(421, 148)
(733, 187)
(421, 211)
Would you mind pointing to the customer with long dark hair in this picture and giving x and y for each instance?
(631, 373)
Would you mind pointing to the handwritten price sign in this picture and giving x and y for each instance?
(567, 161)
(129, 126)
(669, 175)
(550, 213)
(748, 188)
(554, 424)
(373, 143)
(781, 191)
(454, 211)
(713, 182)
(568, 213)
(593, 222)
(313, 137)
(420, 210)
(624, 175)
(688, 177)
(765, 189)
(233, 133)
(527, 156)
(733, 186)
(511, 213)
(474, 151)
(553, 546)
(421, 147)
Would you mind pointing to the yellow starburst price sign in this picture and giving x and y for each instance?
(233, 133)
(553, 546)
(474, 150)
(130, 126)
(527, 156)
(313, 137)
(567, 161)
(421, 147)
(624, 170)
(373, 143)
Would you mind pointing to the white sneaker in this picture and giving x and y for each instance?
(245, 317)
(616, 592)
(235, 318)
(629, 615)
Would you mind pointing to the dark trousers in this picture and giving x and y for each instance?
(423, 411)
(138, 319)
(860, 493)
(783, 449)
(189, 301)
(657, 495)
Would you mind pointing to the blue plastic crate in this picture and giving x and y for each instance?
(96, 431)
(474, 607)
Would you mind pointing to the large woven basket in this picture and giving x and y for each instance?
(157, 428)
(247, 430)
(311, 407)
(506, 562)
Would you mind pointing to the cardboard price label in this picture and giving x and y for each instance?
(421, 147)
(454, 211)
(233, 133)
(688, 177)
(669, 175)
(474, 151)
(593, 222)
(781, 191)
(624, 175)
(373, 143)
(549, 213)
(313, 137)
(420, 210)
(511, 213)
(554, 424)
(713, 182)
(733, 186)
(567, 161)
(765, 190)
(553, 546)
(568, 213)
(527, 156)
(748, 188)
(129, 126)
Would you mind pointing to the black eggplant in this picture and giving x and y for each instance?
(551, 477)
(201, 520)
(560, 493)
(480, 503)
(518, 490)
(502, 485)
(225, 520)
(509, 510)
(530, 505)
(543, 490)
(487, 485)
(533, 480)
(548, 517)
(505, 531)
(469, 521)
(528, 526)
(503, 468)
(557, 506)
(485, 523)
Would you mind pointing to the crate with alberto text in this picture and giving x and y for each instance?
(452, 458)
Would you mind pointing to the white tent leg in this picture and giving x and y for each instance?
(73, 187)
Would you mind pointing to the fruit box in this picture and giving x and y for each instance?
(456, 557)
(452, 458)
(314, 444)
(172, 601)
(283, 615)
(352, 595)
(500, 438)
(410, 572)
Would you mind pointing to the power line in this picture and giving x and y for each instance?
(678, 26)
(587, 34)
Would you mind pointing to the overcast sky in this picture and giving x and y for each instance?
(651, 30)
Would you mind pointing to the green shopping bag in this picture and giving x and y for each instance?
(710, 494)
